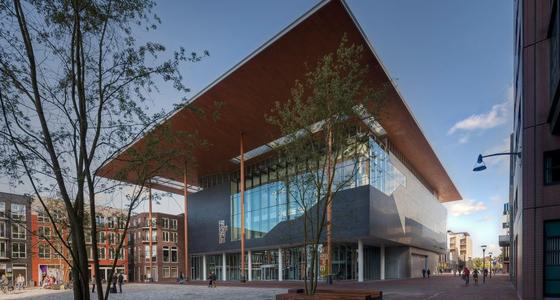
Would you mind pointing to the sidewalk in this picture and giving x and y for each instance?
(437, 287)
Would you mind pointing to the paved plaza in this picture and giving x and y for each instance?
(439, 287)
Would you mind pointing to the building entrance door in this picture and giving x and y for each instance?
(269, 272)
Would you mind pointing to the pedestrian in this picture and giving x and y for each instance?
(93, 284)
(484, 275)
(120, 280)
(214, 278)
(20, 282)
(428, 272)
(475, 276)
(210, 278)
(467, 274)
(114, 282)
(423, 273)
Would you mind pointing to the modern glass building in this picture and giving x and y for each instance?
(388, 220)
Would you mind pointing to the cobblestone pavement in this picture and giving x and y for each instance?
(161, 291)
(438, 287)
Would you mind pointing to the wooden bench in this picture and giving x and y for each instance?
(327, 294)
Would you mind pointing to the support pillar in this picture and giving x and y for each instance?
(224, 277)
(204, 274)
(186, 226)
(280, 264)
(249, 266)
(360, 261)
(382, 262)
(150, 224)
(242, 204)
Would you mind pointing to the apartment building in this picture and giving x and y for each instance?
(15, 241)
(167, 261)
(47, 261)
(460, 246)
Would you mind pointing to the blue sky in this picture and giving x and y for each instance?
(452, 61)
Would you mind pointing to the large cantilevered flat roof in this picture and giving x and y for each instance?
(250, 89)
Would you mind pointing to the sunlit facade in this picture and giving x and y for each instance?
(388, 220)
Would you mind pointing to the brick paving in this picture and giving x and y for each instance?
(437, 287)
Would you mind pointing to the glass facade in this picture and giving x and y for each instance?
(264, 265)
(196, 268)
(272, 202)
(384, 176)
(293, 263)
(214, 265)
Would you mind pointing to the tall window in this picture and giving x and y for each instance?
(42, 216)
(147, 252)
(173, 237)
(174, 224)
(101, 253)
(44, 232)
(165, 236)
(552, 258)
(44, 251)
(18, 212)
(101, 237)
(3, 253)
(552, 167)
(174, 256)
(18, 231)
(112, 238)
(18, 250)
(166, 254)
(165, 223)
(3, 233)
(2, 209)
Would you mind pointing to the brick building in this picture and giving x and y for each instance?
(535, 204)
(15, 241)
(46, 261)
(167, 250)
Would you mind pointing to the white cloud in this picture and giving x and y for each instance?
(499, 114)
(465, 207)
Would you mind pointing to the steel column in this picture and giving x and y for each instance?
(242, 204)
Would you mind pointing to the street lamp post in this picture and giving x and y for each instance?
(490, 263)
(483, 263)
(481, 166)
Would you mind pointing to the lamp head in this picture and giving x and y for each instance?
(480, 165)
(483, 247)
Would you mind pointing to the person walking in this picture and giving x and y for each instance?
(210, 279)
(20, 282)
(484, 275)
(423, 273)
(428, 272)
(214, 279)
(114, 287)
(467, 274)
(120, 280)
(93, 284)
(475, 276)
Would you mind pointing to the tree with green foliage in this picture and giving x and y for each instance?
(322, 124)
(73, 89)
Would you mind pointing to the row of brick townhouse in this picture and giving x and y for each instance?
(46, 261)
(28, 241)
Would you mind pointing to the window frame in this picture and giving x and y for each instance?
(546, 155)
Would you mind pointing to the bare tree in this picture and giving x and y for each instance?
(325, 144)
(73, 86)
